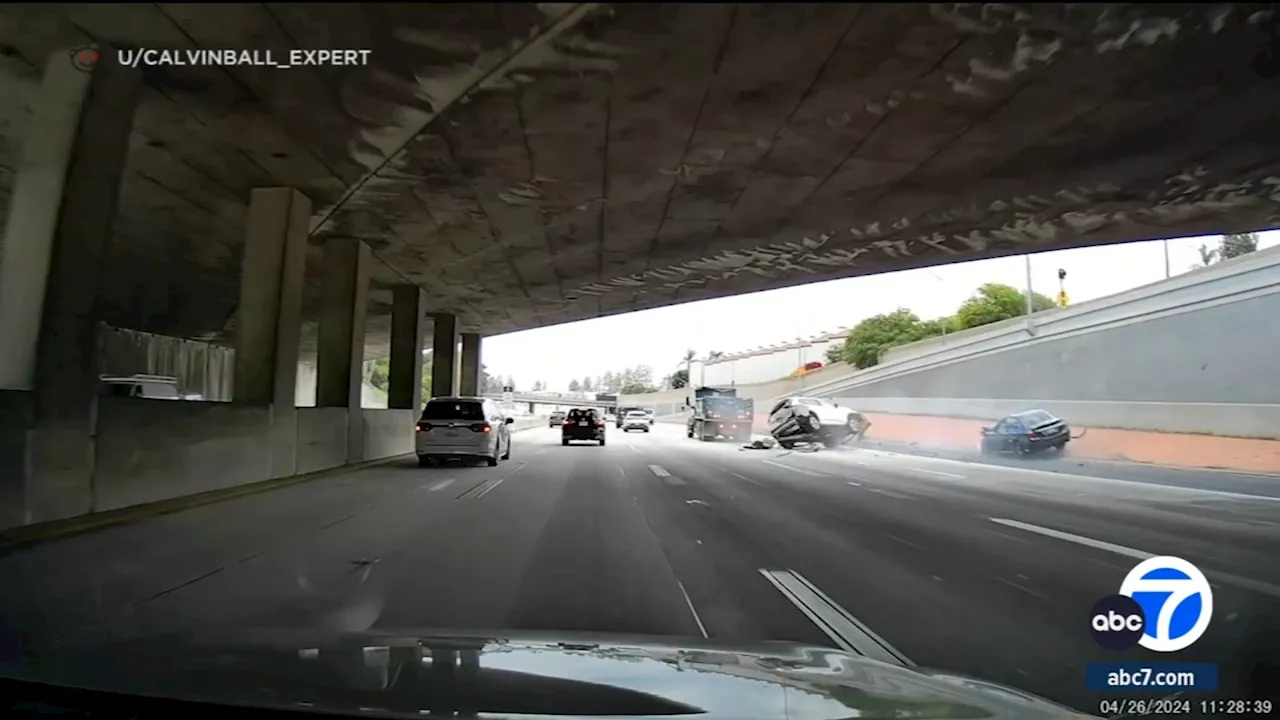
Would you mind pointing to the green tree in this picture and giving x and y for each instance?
(834, 354)
(380, 373)
(1237, 244)
(994, 302)
(575, 386)
(869, 340)
(426, 379)
(588, 385)
(679, 379)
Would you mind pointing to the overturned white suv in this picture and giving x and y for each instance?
(815, 420)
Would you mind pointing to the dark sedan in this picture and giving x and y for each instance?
(1026, 433)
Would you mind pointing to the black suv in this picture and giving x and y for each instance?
(582, 424)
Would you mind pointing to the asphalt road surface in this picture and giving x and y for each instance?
(985, 569)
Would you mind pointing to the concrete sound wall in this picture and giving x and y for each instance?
(1205, 337)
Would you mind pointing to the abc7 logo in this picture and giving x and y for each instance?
(1118, 622)
(1176, 607)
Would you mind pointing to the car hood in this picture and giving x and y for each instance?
(511, 675)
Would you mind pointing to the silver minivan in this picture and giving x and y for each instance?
(462, 427)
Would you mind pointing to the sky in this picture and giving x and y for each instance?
(659, 338)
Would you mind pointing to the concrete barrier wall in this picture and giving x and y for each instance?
(388, 433)
(1248, 420)
(149, 450)
(322, 438)
(1202, 354)
(1199, 337)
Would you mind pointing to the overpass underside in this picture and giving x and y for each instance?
(498, 167)
(527, 164)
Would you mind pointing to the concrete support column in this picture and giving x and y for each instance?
(444, 354)
(269, 316)
(56, 240)
(469, 383)
(340, 352)
(408, 329)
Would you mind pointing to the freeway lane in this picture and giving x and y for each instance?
(659, 534)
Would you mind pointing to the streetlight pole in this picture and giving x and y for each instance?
(1030, 303)
(938, 277)
(1166, 259)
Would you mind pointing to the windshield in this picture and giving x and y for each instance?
(725, 405)
(782, 341)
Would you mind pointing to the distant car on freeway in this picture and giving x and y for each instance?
(462, 427)
(622, 414)
(582, 424)
(1026, 433)
(635, 420)
(815, 420)
(557, 418)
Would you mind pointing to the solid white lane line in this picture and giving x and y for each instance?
(442, 485)
(1077, 539)
(489, 489)
(701, 628)
(744, 477)
(634, 449)
(659, 471)
(834, 621)
(810, 473)
(939, 473)
(1238, 581)
(855, 484)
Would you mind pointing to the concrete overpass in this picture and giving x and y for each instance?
(527, 165)
(504, 167)
(533, 399)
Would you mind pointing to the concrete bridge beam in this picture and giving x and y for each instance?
(269, 316)
(444, 355)
(408, 326)
(56, 239)
(469, 382)
(340, 350)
